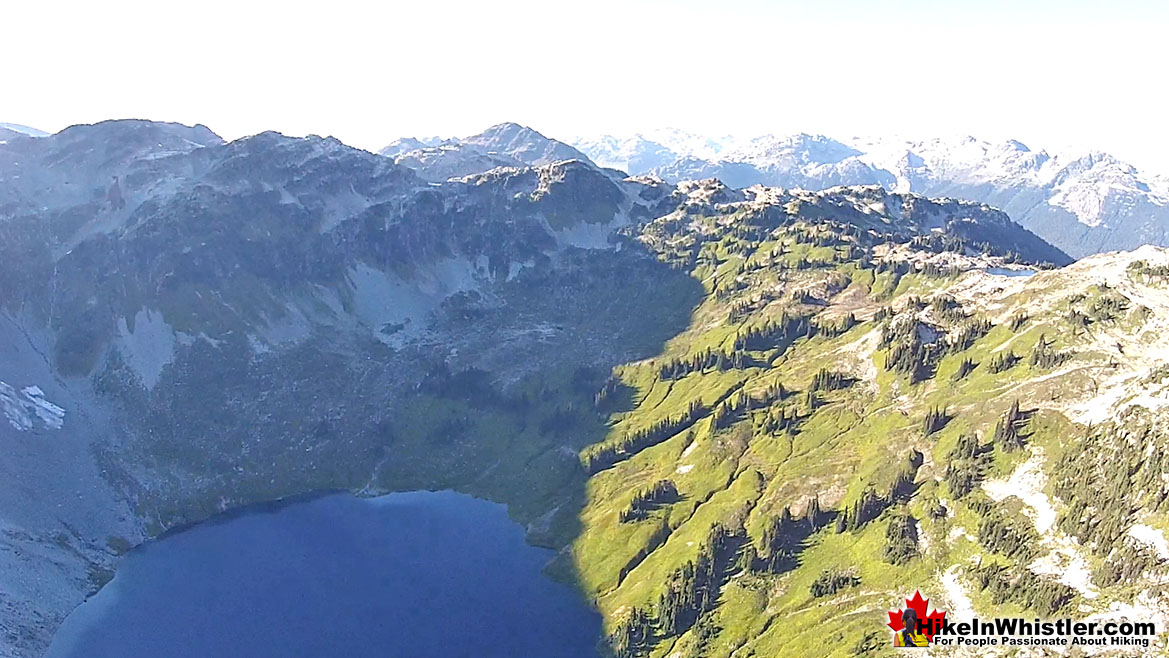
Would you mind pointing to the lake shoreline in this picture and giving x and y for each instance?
(315, 554)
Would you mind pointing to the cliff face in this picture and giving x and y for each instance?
(191, 325)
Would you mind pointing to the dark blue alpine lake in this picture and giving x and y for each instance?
(412, 575)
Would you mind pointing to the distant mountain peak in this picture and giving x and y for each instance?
(1018, 146)
(507, 144)
(407, 144)
(144, 131)
(21, 129)
(1082, 203)
(524, 144)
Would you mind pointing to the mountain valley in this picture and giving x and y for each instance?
(751, 410)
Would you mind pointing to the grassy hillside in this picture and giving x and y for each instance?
(846, 421)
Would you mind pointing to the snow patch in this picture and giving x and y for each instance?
(961, 607)
(24, 408)
(148, 347)
(584, 235)
(395, 309)
(290, 328)
(1151, 536)
(1063, 558)
(1065, 562)
(1026, 484)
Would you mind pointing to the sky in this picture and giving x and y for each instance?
(1053, 74)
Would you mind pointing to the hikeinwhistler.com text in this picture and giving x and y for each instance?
(1019, 632)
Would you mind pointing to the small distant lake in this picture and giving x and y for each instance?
(412, 575)
(1006, 271)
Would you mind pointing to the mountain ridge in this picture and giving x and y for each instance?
(1084, 203)
(197, 325)
(502, 145)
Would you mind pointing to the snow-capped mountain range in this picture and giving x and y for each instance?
(1081, 202)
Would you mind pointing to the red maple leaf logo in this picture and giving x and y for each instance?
(919, 606)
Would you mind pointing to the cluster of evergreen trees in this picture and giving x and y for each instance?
(1142, 267)
(1078, 319)
(865, 508)
(805, 297)
(1127, 564)
(829, 380)
(1043, 594)
(608, 390)
(731, 409)
(784, 537)
(1005, 536)
(774, 333)
(645, 501)
(777, 392)
(1116, 470)
(1043, 355)
(823, 239)
(742, 403)
(1108, 307)
(831, 581)
(914, 303)
(1002, 362)
(704, 360)
(966, 464)
(778, 419)
(900, 539)
(948, 309)
(908, 354)
(899, 267)
(634, 636)
(729, 285)
(940, 271)
(694, 588)
(870, 504)
(1007, 431)
(938, 242)
(834, 329)
(966, 334)
(966, 367)
(691, 591)
(608, 455)
(1017, 321)
(935, 419)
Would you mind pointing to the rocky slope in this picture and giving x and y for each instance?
(190, 325)
(1083, 203)
(298, 288)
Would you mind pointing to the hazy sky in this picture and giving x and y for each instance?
(1047, 72)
